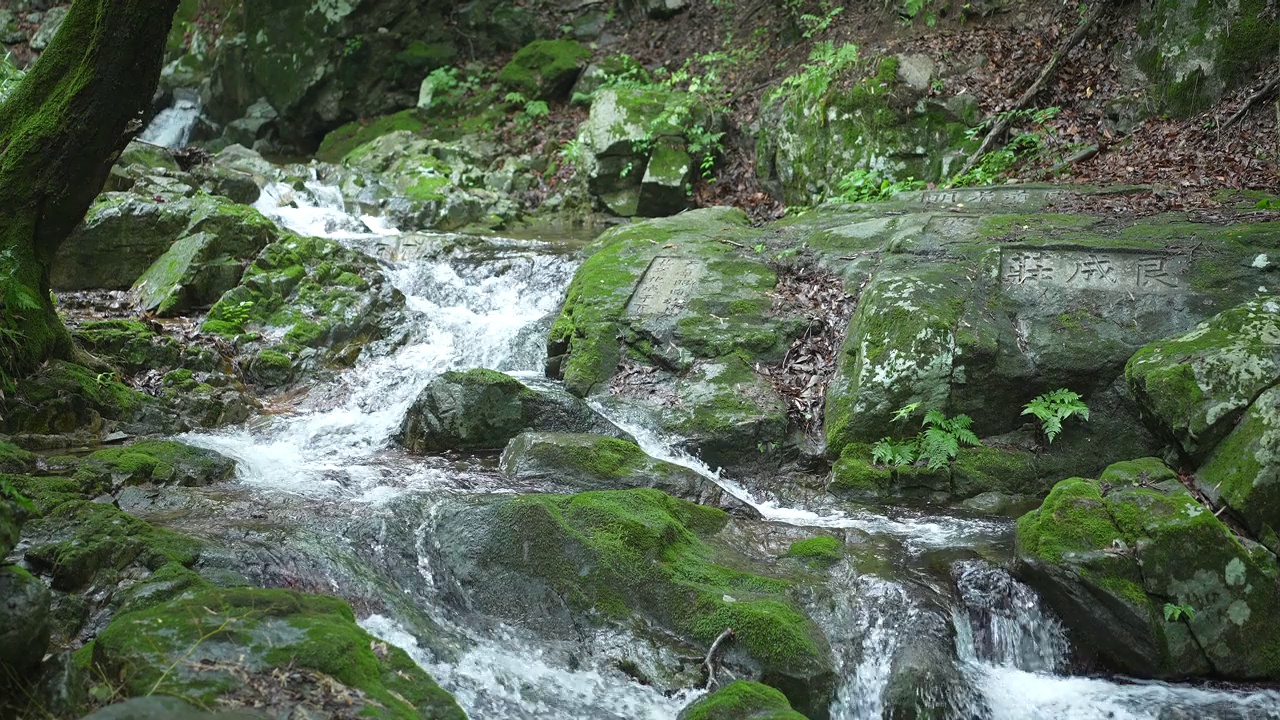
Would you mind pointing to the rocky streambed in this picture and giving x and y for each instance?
(417, 474)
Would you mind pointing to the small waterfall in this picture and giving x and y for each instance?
(172, 126)
(871, 613)
(1012, 648)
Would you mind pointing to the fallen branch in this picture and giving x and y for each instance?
(709, 663)
(1253, 99)
(740, 246)
(1050, 69)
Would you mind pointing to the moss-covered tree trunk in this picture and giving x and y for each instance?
(60, 132)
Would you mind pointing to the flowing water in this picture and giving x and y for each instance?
(172, 127)
(485, 303)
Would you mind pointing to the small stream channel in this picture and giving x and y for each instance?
(486, 302)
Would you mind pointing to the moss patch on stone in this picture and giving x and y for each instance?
(545, 68)
(195, 646)
(339, 143)
(742, 700)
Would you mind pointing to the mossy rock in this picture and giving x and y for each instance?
(14, 459)
(484, 409)
(207, 260)
(76, 541)
(339, 143)
(160, 462)
(545, 69)
(820, 550)
(312, 293)
(1108, 555)
(669, 296)
(623, 557)
(136, 347)
(1195, 387)
(201, 645)
(161, 707)
(1243, 472)
(742, 700)
(63, 398)
(24, 621)
(120, 237)
(596, 462)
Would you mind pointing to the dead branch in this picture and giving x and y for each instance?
(1253, 99)
(710, 662)
(1050, 69)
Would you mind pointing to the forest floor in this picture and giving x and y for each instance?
(1188, 163)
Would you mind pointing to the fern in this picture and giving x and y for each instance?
(1052, 408)
(894, 453)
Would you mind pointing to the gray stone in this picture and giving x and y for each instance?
(24, 620)
(917, 71)
(484, 409)
(664, 189)
(595, 462)
(49, 25)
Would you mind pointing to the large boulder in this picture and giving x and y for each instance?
(1196, 386)
(182, 252)
(24, 621)
(977, 301)
(265, 648)
(1243, 472)
(669, 315)
(741, 700)
(625, 559)
(1149, 580)
(206, 261)
(1194, 52)
(161, 707)
(71, 401)
(843, 113)
(596, 462)
(635, 156)
(484, 409)
(305, 303)
(359, 59)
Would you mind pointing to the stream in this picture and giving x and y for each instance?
(486, 302)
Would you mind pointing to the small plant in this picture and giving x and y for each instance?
(239, 314)
(1174, 613)
(352, 46)
(1052, 408)
(759, 248)
(1268, 204)
(1022, 146)
(104, 378)
(572, 152)
(937, 444)
(866, 186)
(10, 493)
(912, 9)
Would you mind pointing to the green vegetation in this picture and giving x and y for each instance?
(339, 143)
(822, 549)
(1028, 144)
(868, 186)
(1175, 612)
(742, 700)
(937, 444)
(1052, 408)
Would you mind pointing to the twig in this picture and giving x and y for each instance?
(1050, 69)
(1265, 91)
(709, 662)
(1081, 156)
(730, 242)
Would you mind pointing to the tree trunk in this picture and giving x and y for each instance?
(60, 132)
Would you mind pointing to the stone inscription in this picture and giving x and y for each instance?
(1152, 273)
(666, 284)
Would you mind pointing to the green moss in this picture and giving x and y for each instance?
(544, 68)
(854, 476)
(306, 333)
(983, 469)
(339, 143)
(1073, 518)
(427, 189)
(155, 461)
(14, 459)
(1149, 470)
(822, 549)
(623, 552)
(75, 539)
(742, 700)
(237, 630)
(606, 457)
(62, 397)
